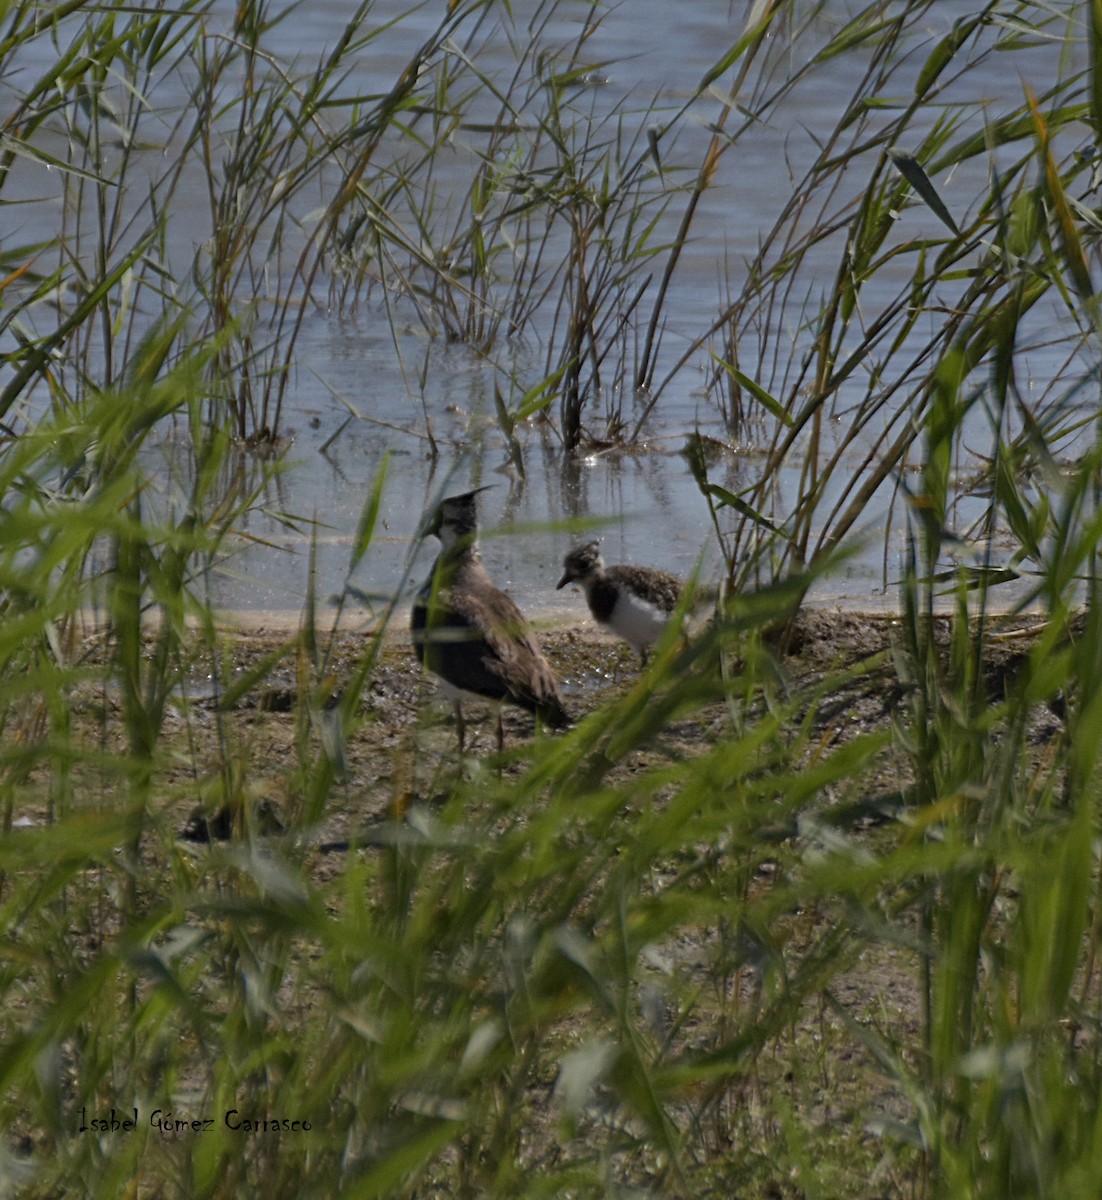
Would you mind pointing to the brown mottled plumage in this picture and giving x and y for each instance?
(634, 602)
(471, 635)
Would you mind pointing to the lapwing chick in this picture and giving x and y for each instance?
(635, 603)
(471, 635)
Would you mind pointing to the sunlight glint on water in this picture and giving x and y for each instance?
(349, 362)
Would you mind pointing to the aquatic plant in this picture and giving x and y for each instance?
(761, 923)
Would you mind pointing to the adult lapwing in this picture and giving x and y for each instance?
(471, 634)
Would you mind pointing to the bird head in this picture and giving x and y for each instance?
(454, 519)
(581, 563)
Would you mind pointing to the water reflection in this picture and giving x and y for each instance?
(369, 389)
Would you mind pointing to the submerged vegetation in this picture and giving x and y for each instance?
(726, 936)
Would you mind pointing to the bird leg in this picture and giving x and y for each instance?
(460, 725)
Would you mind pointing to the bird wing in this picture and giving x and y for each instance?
(508, 650)
(451, 646)
(664, 589)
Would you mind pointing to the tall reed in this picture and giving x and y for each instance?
(757, 925)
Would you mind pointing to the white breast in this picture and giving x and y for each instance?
(638, 622)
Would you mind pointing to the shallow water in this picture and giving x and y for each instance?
(643, 503)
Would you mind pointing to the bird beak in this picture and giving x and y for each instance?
(430, 524)
(563, 581)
